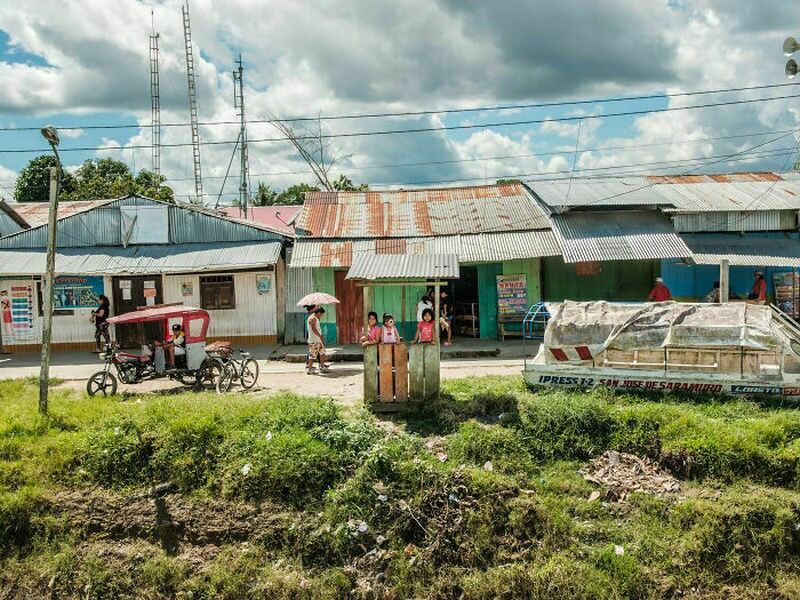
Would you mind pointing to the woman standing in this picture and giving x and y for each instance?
(100, 316)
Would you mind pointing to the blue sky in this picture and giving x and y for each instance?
(309, 58)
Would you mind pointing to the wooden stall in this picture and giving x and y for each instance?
(403, 375)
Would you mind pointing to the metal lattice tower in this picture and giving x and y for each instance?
(187, 36)
(155, 115)
(238, 103)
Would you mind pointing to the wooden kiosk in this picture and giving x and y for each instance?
(400, 376)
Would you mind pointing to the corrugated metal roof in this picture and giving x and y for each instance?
(278, 218)
(405, 266)
(710, 249)
(626, 191)
(476, 248)
(410, 213)
(677, 193)
(620, 235)
(36, 213)
(174, 258)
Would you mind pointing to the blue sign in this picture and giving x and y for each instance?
(77, 291)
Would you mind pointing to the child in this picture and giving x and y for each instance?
(389, 332)
(426, 328)
(372, 335)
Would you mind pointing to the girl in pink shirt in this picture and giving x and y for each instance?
(389, 332)
(425, 328)
(372, 333)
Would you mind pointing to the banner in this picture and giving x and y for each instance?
(76, 291)
(512, 296)
(786, 292)
(21, 312)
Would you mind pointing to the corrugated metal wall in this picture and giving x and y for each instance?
(254, 315)
(102, 227)
(622, 281)
(773, 220)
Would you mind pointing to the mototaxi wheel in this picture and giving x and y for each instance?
(225, 380)
(248, 374)
(209, 373)
(102, 382)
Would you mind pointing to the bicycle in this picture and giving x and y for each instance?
(245, 370)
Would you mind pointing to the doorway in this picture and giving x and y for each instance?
(350, 310)
(464, 297)
(131, 293)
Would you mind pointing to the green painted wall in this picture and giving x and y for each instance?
(621, 281)
(487, 298)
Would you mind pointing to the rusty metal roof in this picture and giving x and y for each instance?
(617, 235)
(710, 249)
(404, 266)
(475, 248)
(36, 213)
(419, 213)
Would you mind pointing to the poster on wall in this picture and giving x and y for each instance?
(262, 284)
(512, 296)
(16, 305)
(786, 292)
(187, 288)
(75, 291)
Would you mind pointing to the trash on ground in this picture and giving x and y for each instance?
(626, 473)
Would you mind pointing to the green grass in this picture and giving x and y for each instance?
(340, 506)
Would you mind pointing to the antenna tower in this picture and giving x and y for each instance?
(238, 103)
(155, 102)
(187, 36)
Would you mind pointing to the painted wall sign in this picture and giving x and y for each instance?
(17, 312)
(77, 291)
(512, 295)
(662, 384)
(187, 288)
(262, 284)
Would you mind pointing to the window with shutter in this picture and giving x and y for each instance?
(217, 292)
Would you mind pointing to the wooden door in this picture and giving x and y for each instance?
(350, 310)
(129, 294)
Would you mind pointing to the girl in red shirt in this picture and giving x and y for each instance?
(426, 328)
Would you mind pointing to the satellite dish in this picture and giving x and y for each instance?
(791, 68)
(790, 46)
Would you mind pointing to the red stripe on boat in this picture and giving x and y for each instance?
(583, 352)
(559, 354)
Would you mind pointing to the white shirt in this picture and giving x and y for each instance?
(313, 338)
(422, 305)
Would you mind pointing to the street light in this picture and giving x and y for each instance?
(51, 135)
(790, 46)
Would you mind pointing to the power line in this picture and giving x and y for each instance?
(354, 134)
(417, 113)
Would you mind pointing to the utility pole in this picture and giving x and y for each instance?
(238, 103)
(790, 46)
(187, 38)
(155, 102)
(51, 135)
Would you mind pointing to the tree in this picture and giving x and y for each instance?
(33, 182)
(97, 179)
(265, 196)
(294, 194)
(508, 181)
(344, 184)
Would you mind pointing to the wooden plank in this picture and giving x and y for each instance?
(386, 387)
(400, 373)
(416, 373)
(370, 374)
(430, 365)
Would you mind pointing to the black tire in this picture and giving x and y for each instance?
(225, 380)
(102, 382)
(249, 373)
(210, 371)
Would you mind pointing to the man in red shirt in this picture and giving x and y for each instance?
(660, 292)
(759, 288)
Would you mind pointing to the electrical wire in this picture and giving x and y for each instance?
(498, 124)
(417, 113)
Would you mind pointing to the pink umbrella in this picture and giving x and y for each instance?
(317, 298)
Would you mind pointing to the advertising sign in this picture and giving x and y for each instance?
(18, 313)
(786, 292)
(77, 291)
(262, 284)
(512, 296)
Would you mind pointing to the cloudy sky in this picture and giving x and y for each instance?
(84, 64)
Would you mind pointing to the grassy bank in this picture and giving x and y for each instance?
(476, 497)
